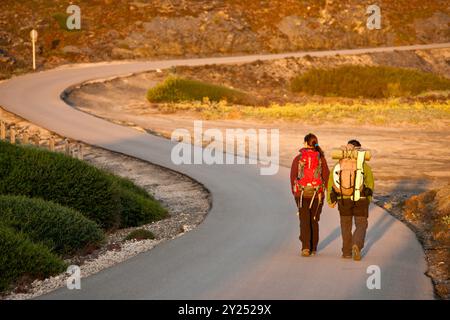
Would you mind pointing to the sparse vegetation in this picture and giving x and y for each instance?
(140, 234)
(367, 81)
(175, 89)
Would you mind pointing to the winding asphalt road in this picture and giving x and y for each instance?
(247, 247)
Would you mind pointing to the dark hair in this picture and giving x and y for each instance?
(312, 141)
(354, 142)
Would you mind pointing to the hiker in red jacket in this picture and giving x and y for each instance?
(309, 179)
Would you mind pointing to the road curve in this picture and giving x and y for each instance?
(247, 247)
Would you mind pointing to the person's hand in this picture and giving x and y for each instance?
(332, 205)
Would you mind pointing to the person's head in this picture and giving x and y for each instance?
(355, 143)
(311, 141)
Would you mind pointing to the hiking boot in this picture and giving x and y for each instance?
(356, 253)
(346, 256)
(313, 253)
(305, 253)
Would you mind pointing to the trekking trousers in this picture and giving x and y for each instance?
(353, 211)
(309, 222)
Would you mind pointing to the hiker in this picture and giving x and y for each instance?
(351, 185)
(309, 176)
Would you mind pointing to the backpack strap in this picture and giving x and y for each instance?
(312, 199)
(301, 198)
(359, 176)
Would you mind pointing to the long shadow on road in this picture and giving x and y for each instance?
(377, 231)
(329, 239)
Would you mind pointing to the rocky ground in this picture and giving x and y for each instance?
(187, 201)
(128, 29)
(428, 215)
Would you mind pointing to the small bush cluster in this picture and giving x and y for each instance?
(175, 89)
(140, 234)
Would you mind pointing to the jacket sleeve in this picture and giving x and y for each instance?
(294, 172)
(369, 181)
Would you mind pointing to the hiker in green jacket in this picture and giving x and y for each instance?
(353, 199)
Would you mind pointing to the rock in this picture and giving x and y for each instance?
(5, 38)
(300, 33)
(139, 5)
(112, 34)
(119, 53)
(6, 58)
(71, 49)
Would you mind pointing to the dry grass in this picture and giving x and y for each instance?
(381, 112)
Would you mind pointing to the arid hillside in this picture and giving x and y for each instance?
(123, 29)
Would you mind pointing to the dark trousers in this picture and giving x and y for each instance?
(353, 211)
(309, 222)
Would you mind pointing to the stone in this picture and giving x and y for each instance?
(71, 49)
(119, 53)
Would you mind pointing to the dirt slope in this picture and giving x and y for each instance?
(124, 29)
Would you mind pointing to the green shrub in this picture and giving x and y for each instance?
(140, 234)
(175, 89)
(138, 209)
(19, 257)
(103, 198)
(61, 229)
(367, 81)
(61, 19)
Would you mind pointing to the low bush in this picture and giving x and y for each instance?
(140, 234)
(61, 229)
(19, 257)
(175, 89)
(368, 82)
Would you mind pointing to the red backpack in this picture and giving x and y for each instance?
(309, 180)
